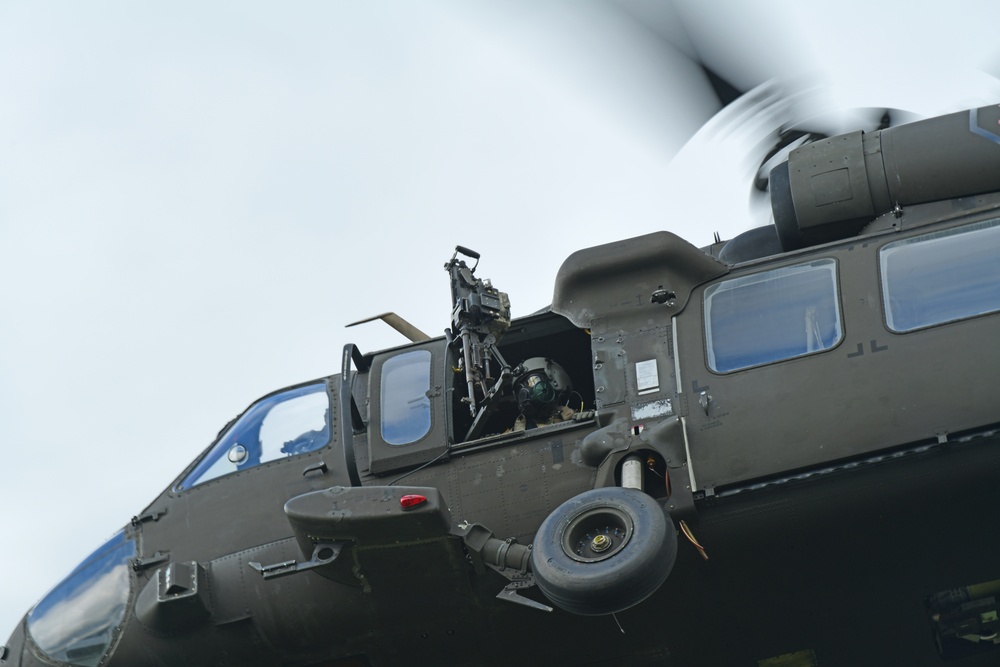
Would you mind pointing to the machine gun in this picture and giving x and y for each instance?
(480, 315)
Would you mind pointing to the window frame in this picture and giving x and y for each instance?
(827, 264)
(927, 239)
(220, 448)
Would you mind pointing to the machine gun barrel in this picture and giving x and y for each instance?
(480, 315)
(470, 376)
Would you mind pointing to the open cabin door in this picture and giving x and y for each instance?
(406, 394)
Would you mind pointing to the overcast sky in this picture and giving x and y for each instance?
(196, 197)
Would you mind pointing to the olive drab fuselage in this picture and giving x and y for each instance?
(805, 417)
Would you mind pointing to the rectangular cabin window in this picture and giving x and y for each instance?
(941, 277)
(405, 406)
(771, 316)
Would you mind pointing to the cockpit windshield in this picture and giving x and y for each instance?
(291, 422)
(77, 621)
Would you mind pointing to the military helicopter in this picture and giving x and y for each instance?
(776, 450)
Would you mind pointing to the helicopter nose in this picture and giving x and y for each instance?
(15, 653)
(10, 653)
(77, 622)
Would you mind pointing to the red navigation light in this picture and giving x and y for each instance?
(411, 500)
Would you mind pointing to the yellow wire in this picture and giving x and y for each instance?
(688, 534)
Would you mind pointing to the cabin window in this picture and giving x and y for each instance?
(771, 316)
(291, 422)
(941, 277)
(405, 406)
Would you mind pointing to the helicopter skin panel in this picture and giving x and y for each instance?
(781, 450)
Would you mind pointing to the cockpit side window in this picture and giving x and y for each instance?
(773, 315)
(291, 422)
(941, 277)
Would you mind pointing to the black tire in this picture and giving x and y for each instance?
(584, 573)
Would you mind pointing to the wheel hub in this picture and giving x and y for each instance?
(601, 543)
(597, 534)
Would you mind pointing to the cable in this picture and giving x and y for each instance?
(688, 534)
(418, 468)
(651, 466)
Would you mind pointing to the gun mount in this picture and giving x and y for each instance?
(480, 316)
